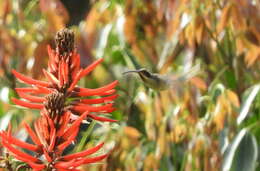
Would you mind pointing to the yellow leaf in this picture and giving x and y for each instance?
(233, 98)
(189, 35)
(129, 29)
(199, 30)
(220, 113)
(251, 56)
(235, 14)
(240, 46)
(132, 132)
(224, 18)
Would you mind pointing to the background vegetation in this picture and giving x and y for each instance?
(212, 125)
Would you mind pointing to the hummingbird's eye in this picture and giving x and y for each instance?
(146, 73)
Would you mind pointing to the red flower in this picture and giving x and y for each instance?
(49, 144)
(63, 74)
(63, 106)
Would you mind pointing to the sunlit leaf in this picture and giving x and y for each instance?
(252, 55)
(252, 92)
(231, 150)
(232, 96)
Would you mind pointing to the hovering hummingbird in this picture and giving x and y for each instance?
(160, 82)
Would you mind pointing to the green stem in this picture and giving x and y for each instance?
(85, 136)
(252, 126)
(184, 161)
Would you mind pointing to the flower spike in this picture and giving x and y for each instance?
(63, 106)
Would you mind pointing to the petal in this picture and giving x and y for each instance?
(52, 140)
(102, 119)
(65, 72)
(75, 125)
(83, 153)
(75, 80)
(27, 104)
(36, 166)
(92, 66)
(65, 121)
(47, 156)
(89, 160)
(74, 67)
(39, 133)
(43, 89)
(18, 152)
(73, 135)
(33, 136)
(25, 90)
(21, 158)
(51, 77)
(51, 67)
(97, 91)
(99, 100)
(29, 80)
(82, 108)
(31, 98)
(30, 90)
(19, 143)
(84, 72)
(61, 79)
(63, 165)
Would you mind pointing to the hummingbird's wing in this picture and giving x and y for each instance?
(186, 76)
(177, 81)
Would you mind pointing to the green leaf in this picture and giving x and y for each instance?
(85, 136)
(246, 155)
(247, 103)
(1, 109)
(231, 80)
(230, 152)
(117, 115)
(242, 153)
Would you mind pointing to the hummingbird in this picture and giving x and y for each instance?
(161, 82)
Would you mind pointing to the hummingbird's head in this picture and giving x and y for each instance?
(152, 80)
(143, 73)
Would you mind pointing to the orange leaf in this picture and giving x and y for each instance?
(132, 132)
(199, 83)
(224, 18)
(233, 98)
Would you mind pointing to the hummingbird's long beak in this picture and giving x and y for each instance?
(131, 71)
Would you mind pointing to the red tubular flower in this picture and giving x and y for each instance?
(60, 119)
(63, 74)
(50, 144)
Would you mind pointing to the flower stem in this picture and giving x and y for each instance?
(85, 136)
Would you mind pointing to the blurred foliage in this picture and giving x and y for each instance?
(212, 125)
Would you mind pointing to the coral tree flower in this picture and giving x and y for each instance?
(63, 106)
(49, 143)
(63, 74)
